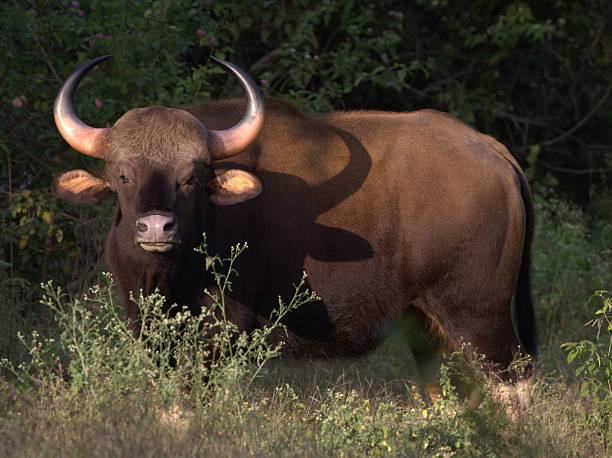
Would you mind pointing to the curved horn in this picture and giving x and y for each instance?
(225, 143)
(83, 138)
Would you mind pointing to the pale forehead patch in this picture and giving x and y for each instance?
(160, 135)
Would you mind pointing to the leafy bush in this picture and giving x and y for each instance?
(570, 261)
(594, 363)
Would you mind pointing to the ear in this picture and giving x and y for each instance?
(79, 186)
(233, 187)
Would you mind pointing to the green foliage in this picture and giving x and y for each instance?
(532, 75)
(101, 390)
(231, 412)
(348, 424)
(521, 71)
(593, 358)
(98, 353)
(16, 305)
(569, 261)
(32, 231)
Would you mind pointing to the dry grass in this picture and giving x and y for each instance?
(300, 409)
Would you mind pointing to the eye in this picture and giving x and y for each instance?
(124, 179)
(189, 181)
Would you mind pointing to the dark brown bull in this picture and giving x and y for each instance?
(390, 214)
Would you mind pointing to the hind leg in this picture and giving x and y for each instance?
(426, 347)
(484, 324)
(488, 330)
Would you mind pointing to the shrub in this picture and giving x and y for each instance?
(593, 358)
(567, 266)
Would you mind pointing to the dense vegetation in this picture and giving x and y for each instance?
(536, 75)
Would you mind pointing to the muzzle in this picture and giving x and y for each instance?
(157, 233)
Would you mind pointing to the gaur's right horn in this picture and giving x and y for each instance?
(88, 140)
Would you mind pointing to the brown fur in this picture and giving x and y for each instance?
(388, 213)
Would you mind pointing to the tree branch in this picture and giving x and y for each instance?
(44, 53)
(577, 126)
(554, 168)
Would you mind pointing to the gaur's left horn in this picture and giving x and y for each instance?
(225, 143)
(83, 138)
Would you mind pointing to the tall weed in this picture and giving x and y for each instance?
(98, 353)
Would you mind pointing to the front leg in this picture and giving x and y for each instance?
(225, 309)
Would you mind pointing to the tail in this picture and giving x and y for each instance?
(523, 303)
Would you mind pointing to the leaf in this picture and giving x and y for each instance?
(47, 217)
(245, 22)
(57, 38)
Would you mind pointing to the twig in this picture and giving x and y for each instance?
(42, 50)
(577, 126)
(554, 168)
(37, 159)
(524, 119)
(260, 64)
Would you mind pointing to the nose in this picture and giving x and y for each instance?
(156, 229)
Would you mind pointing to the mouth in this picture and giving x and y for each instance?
(158, 247)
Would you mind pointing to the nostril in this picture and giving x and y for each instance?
(141, 227)
(156, 227)
(169, 226)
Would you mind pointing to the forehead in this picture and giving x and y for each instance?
(149, 169)
(158, 135)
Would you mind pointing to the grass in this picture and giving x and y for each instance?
(94, 390)
(344, 413)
